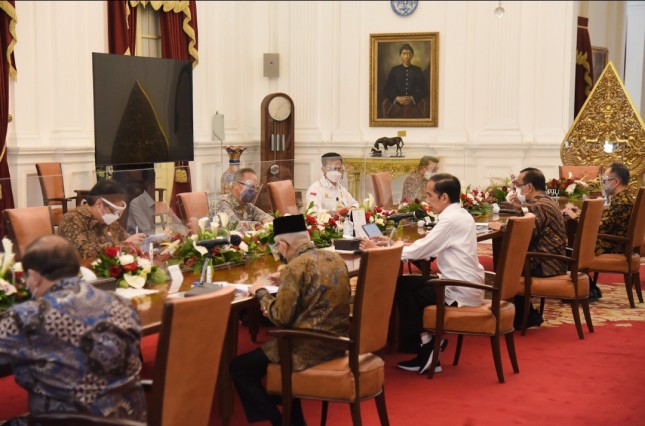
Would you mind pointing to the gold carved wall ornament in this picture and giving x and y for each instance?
(607, 129)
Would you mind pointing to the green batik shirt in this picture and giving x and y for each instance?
(246, 215)
(314, 294)
(615, 220)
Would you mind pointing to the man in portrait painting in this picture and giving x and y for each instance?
(405, 89)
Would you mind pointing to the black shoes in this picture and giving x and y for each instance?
(421, 362)
(594, 294)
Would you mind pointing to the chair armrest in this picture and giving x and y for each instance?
(612, 237)
(146, 384)
(290, 333)
(446, 282)
(61, 199)
(552, 256)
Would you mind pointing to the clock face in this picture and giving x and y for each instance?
(279, 108)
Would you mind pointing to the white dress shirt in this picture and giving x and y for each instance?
(142, 214)
(453, 241)
(327, 196)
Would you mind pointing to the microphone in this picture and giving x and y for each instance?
(221, 241)
(417, 214)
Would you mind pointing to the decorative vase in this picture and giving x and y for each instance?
(234, 154)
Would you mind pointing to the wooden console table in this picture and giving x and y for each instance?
(359, 168)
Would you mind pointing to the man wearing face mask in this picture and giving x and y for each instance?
(415, 184)
(549, 234)
(238, 204)
(314, 294)
(327, 193)
(615, 218)
(95, 222)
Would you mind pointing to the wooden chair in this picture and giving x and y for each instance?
(628, 262)
(283, 197)
(382, 189)
(360, 374)
(574, 285)
(50, 176)
(579, 172)
(193, 206)
(161, 208)
(26, 224)
(494, 317)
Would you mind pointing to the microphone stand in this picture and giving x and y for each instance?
(207, 260)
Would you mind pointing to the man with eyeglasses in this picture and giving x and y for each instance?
(95, 223)
(415, 184)
(615, 218)
(327, 193)
(549, 235)
(238, 204)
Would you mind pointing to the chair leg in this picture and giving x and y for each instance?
(636, 280)
(497, 357)
(628, 287)
(382, 408)
(510, 345)
(576, 318)
(460, 340)
(542, 305)
(436, 341)
(323, 415)
(525, 314)
(355, 408)
(585, 309)
(253, 314)
(287, 403)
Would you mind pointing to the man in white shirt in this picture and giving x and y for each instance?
(453, 241)
(327, 193)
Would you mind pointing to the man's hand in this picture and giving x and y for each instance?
(136, 239)
(405, 100)
(255, 287)
(372, 242)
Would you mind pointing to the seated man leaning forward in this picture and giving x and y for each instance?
(414, 185)
(95, 223)
(453, 241)
(238, 204)
(74, 348)
(314, 294)
(327, 193)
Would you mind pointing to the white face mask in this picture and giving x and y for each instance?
(109, 217)
(334, 176)
(428, 174)
(521, 197)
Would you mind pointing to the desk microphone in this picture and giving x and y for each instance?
(222, 241)
(417, 214)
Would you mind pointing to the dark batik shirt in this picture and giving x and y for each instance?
(549, 235)
(246, 215)
(76, 349)
(314, 295)
(414, 187)
(615, 220)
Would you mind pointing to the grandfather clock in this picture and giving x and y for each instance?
(276, 143)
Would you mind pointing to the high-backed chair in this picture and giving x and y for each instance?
(574, 285)
(26, 224)
(193, 206)
(360, 374)
(161, 208)
(494, 317)
(628, 262)
(50, 176)
(579, 172)
(382, 189)
(283, 197)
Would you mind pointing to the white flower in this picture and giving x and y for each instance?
(136, 281)
(570, 188)
(193, 237)
(17, 267)
(223, 219)
(200, 249)
(7, 288)
(145, 265)
(244, 247)
(323, 217)
(379, 221)
(470, 196)
(96, 263)
(126, 259)
(203, 222)
(570, 175)
(171, 248)
(214, 227)
(369, 202)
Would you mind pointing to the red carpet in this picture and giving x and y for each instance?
(562, 380)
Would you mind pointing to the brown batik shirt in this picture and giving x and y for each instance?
(314, 295)
(549, 235)
(615, 220)
(414, 187)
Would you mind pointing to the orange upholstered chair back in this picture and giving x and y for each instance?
(283, 197)
(636, 229)
(193, 206)
(377, 277)
(579, 172)
(512, 255)
(585, 242)
(26, 224)
(51, 182)
(188, 357)
(382, 189)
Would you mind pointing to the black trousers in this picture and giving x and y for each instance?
(411, 297)
(247, 371)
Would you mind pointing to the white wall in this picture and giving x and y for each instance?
(505, 85)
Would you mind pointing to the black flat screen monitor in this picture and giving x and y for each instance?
(143, 110)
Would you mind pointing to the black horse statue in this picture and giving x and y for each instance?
(395, 141)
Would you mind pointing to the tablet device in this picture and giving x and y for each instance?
(371, 229)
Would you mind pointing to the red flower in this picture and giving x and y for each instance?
(311, 220)
(131, 267)
(111, 252)
(569, 181)
(505, 188)
(463, 196)
(332, 222)
(343, 211)
(368, 216)
(378, 209)
(115, 271)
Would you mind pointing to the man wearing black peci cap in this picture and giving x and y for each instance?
(314, 294)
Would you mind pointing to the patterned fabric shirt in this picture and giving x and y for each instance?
(246, 215)
(549, 235)
(88, 234)
(314, 295)
(76, 349)
(615, 220)
(414, 187)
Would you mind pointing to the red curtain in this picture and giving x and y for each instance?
(179, 41)
(584, 65)
(8, 21)
(121, 28)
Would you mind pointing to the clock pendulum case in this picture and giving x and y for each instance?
(276, 143)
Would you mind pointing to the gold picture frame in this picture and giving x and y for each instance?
(398, 97)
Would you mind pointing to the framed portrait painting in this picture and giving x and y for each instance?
(404, 80)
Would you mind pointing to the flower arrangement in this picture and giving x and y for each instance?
(322, 226)
(498, 189)
(128, 265)
(417, 206)
(12, 290)
(476, 202)
(571, 188)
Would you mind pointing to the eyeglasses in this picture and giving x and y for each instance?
(113, 207)
(607, 179)
(335, 169)
(250, 185)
